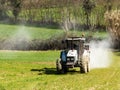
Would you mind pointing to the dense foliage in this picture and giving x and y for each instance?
(74, 14)
(113, 26)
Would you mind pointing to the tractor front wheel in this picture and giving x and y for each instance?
(64, 68)
(58, 66)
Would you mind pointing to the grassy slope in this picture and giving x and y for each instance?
(7, 31)
(36, 71)
(10, 31)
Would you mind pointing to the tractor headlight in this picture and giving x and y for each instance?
(68, 59)
(72, 59)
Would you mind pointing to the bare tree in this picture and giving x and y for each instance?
(88, 5)
(113, 26)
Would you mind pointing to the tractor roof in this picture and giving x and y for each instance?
(76, 39)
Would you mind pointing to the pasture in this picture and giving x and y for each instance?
(9, 31)
(43, 33)
(35, 70)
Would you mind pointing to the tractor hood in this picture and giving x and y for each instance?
(72, 53)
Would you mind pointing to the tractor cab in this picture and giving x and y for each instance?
(75, 44)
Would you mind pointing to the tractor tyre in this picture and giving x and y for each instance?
(58, 66)
(83, 68)
(88, 67)
(88, 64)
(64, 69)
(85, 64)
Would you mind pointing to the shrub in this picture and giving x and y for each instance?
(112, 19)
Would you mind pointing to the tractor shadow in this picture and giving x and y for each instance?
(52, 71)
(48, 71)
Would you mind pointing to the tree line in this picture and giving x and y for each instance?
(70, 14)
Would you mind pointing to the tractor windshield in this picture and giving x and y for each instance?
(76, 44)
(73, 44)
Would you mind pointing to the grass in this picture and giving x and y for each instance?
(29, 56)
(32, 70)
(15, 67)
(43, 33)
(8, 31)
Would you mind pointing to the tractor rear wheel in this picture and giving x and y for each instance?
(58, 66)
(83, 68)
(85, 64)
(88, 67)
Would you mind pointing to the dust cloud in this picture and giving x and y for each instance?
(18, 40)
(99, 55)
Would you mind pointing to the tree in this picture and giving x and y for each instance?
(112, 19)
(108, 5)
(3, 9)
(16, 7)
(88, 5)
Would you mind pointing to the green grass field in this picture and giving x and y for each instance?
(8, 31)
(35, 70)
(43, 33)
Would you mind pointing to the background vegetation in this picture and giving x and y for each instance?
(76, 13)
(19, 37)
(80, 15)
(113, 26)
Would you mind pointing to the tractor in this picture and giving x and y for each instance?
(75, 54)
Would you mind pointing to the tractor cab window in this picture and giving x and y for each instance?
(72, 44)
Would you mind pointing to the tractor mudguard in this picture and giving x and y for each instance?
(63, 56)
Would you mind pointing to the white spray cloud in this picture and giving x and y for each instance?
(21, 34)
(99, 54)
(18, 39)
